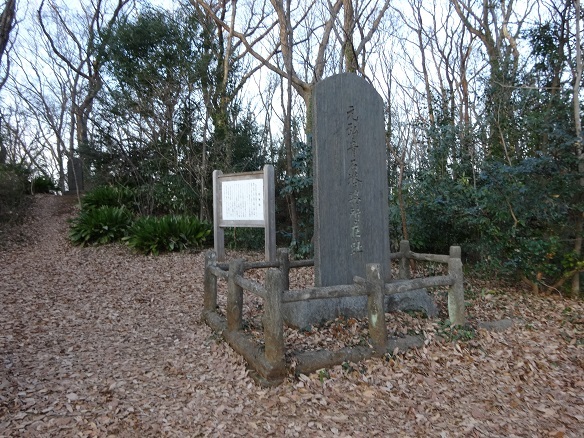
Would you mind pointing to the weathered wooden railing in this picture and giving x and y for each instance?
(269, 362)
(454, 279)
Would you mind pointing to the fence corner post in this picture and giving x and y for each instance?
(404, 262)
(210, 293)
(273, 321)
(376, 308)
(456, 291)
(234, 297)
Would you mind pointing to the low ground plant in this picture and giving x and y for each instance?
(108, 196)
(153, 235)
(100, 225)
(110, 214)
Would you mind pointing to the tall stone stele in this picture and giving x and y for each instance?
(75, 175)
(350, 193)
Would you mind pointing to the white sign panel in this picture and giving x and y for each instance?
(243, 200)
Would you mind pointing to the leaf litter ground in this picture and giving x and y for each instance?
(102, 342)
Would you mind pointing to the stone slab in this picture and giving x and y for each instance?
(351, 216)
(350, 180)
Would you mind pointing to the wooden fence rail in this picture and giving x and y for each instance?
(268, 362)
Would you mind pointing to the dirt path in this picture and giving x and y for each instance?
(98, 342)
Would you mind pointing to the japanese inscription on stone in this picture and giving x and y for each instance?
(354, 181)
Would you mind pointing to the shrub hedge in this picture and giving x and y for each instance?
(107, 215)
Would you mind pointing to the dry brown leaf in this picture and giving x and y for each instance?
(101, 342)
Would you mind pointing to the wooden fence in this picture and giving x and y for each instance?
(268, 363)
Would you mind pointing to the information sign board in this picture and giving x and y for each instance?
(244, 200)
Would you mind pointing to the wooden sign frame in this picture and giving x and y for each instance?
(245, 200)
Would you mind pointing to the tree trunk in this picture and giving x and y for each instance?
(348, 28)
(579, 146)
(288, 134)
(7, 21)
(203, 212)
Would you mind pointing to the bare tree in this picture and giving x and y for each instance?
(577, 73)
(75, 43)
(46, 106)
(308, 23)
(444, 48)
(222, 83)
(362, 22)
(498, 26)
(37, 110)
(293, 23)
(7, 22)
(280, 19)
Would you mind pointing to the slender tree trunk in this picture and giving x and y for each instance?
(287, 54)
(71, 153)
(288, 131)
(400, 197)
(425, 71)
(60, 160)
(7, 21)
(348, 28)
(224, 67)
(6, 24)
(203, 212)
(289, 168)
(579, 146)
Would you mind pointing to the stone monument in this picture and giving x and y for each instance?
(75, 175)
(350, 193)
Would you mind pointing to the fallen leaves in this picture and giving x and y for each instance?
(100, 342)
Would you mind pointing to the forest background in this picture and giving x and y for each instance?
(482, 111)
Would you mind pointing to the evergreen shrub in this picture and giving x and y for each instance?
(42, 184)
(13, 188)
(108, 196)
(243, 238)
(152, 235)
(100, 225)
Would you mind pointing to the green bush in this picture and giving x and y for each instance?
(152, 235)
(108, 196)
(42, 184)
(299, 185)
(170, 195)
(100, 225)
(13, 189)
(244, 238)
(107, 216)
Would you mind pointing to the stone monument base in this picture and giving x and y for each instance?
(304, 314)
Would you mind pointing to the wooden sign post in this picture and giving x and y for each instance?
(244, 200)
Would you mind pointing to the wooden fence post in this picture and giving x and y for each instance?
(269, 213)
(456, 291)
(284, 260)
(404, 262)
(210, 297)
(273, 321)
(218, 231)
(375, 308)
(234, 296)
